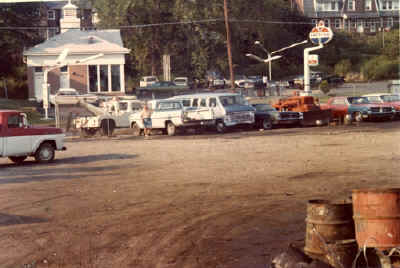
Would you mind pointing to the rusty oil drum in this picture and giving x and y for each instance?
(377, 217)
(327, 222)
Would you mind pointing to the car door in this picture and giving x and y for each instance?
(339, 106)
(18, 140)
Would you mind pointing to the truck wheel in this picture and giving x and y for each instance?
(266, 124)
(136, 131)
(45, 153)
(171, 129)
(107, 127)
(17, 159)
(220, 126)
(357, 117)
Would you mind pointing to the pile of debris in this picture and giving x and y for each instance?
(357, 233)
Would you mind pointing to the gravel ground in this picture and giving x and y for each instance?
(199, 200)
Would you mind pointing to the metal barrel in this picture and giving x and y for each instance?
(327, 222)
(377, 217)
(342, 253)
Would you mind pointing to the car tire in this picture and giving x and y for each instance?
(220, 127)
(171, 129)
(17, 159)
(267, 124)
(45, 153)
(357, 117)
(136, 131)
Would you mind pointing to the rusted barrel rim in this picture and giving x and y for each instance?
(328, 202)
(377, 190)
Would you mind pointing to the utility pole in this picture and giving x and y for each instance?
(228, 43)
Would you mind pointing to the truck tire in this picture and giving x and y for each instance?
(136, 131)
(220, 127)
(17, 159)
(357, 117)
(267, 124)
(171, 129)
(45, 153)
(107, 127)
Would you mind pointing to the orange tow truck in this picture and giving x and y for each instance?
(313, 115)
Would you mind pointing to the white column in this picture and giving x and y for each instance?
(109, 77)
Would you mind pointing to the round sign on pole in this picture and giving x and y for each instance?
(321, 34)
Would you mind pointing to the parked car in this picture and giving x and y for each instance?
(170, 115)
(333, 79)
(267, 116)
(215, 80)
(386, 99)
(146, 81)
(229, 109)
(71, 96)
(182, 81)
(358, 109)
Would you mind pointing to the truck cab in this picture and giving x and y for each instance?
(18, 139)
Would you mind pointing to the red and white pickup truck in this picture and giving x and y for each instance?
(18, 139)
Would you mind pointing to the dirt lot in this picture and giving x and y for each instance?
(232, 200)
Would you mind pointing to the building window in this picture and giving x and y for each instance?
(93, 78)
(351, 5)
(328, 5)
(327, 23)
(314, 22)
(51, 15)
(104, 78)
(39, 69)
(387, 5)
(368, 4)
(337, 23)
(115, 78)
(353, 23)
(64, 69)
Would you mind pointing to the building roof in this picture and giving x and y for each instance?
(81, 42)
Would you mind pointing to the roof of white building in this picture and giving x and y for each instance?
(81, 42)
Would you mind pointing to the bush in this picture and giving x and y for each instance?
(343, 67)
(324, 87)
(380, 68)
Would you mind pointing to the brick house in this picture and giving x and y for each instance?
(103, 75)
(363, 16)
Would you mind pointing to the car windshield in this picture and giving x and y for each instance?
(151, 79)
(264, 108)
(358, 100)
(232, 100)
(240, 77)
(180, 80)
(390, 98)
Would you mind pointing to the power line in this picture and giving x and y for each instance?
(158, 24)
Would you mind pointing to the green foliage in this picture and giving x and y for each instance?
(343, 67)
(324, 87)
(379, 68)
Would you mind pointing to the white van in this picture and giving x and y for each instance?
(146, 81)
(228, 109)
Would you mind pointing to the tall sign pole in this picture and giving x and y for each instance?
(319, 35)
(228, 43)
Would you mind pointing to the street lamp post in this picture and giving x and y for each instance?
(276, 51)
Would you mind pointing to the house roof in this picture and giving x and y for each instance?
(81, 42)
